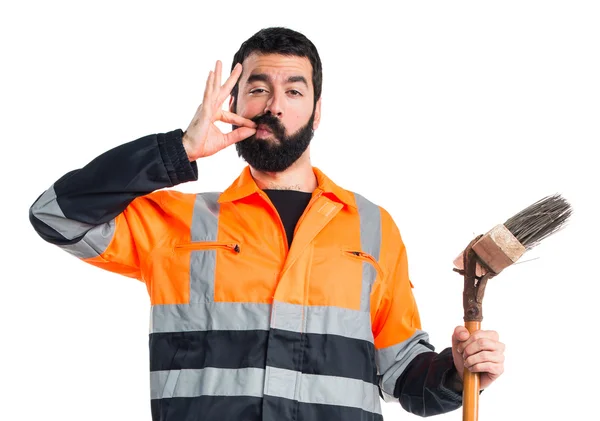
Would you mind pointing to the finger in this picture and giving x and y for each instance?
(218, 72)
(490, 334)
(476, 336)
(238, 135)
(208, 88)
(482, 344)
(494, 369)
(232, 118)
(484, 357)
(230, 83)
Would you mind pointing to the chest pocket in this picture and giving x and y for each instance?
(208, 245)
(371, 273)
(367, 258)
(185, 273)
(202, 266)
(343, 277)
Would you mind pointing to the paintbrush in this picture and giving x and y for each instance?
(504, 244)
(489, 254)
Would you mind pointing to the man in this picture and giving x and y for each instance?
(285, 297)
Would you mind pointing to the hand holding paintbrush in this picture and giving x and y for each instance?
(485, 257)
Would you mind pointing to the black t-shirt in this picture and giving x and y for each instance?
(290, 205)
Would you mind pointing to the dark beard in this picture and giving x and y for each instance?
(270, 155)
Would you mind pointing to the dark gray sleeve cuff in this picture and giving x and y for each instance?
(451, 385)
(178, 166)
(424, 388)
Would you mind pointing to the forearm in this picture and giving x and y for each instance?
(429, 385)
(98, 192)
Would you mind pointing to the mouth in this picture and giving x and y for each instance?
(263, 131)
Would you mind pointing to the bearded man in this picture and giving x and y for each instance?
(284, 297)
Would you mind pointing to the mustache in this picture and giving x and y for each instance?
(272, 122)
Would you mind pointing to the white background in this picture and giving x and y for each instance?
(452, 115)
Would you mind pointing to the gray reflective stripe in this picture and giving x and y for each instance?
(47, 210)
(394, 359)
(318, 389)
(370, 242)
(189, 383)
(369, 275)
(96, 239)
(323, 320)
(255, 316)
(93, 243)
(209, 316)
(205, 225)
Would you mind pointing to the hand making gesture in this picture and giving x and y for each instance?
(202, 137)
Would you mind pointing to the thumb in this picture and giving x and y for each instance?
(460, 334)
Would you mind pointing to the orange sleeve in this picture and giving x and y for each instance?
(396, 316)
(147, 222)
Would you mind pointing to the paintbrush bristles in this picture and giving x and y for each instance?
(539, 220)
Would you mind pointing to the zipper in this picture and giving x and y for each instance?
(365, 257)
(209, 245)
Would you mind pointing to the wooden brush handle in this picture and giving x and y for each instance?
(473, 292)
(471, 385)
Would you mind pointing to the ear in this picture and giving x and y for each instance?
(231, 108)
(317, 119)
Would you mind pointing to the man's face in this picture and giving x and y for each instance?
(277, 93)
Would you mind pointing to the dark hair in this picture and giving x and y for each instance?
(281, 41)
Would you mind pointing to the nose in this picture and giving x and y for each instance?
(274, 105)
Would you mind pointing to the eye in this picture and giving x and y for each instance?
(258, 91)
(295, 92)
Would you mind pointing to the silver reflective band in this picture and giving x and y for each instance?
(189, 383)
(318, 389)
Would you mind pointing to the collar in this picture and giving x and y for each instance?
(245, 186)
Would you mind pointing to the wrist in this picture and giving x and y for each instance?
(185, 140)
